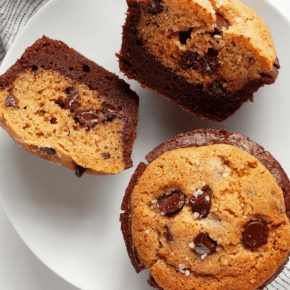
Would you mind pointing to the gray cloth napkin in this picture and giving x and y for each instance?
(14, 14)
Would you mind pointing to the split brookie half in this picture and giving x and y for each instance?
(61, 106)
(208, 56)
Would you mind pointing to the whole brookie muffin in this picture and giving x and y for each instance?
(208, 56)
(61, 106)
(210, 212)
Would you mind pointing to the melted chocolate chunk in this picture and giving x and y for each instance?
(61, 103)
(171, 203)
(139, 42)
(34, 68)
(277, 63)
(47, 150)
(184, 35)
(80, 171)
(204, 244)
(111, 112)
(209, 63)
(168, 234)
(53, 120)
(69, 90)
(255, 234)
(10, 101)
(220, 23)
(212, 53)
(106, 155)
(274, 72)
(201, 204)
(72, 98)
(87, 117)
(216, 89)
(154, 7)
(188, 60)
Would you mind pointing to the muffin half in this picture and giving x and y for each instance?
(61, 106)
(208, 56)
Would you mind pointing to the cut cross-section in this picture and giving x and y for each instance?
(181, 46)
(84, 117)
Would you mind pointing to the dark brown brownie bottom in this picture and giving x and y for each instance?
(214, 103)
(199, 138)
(55, 55)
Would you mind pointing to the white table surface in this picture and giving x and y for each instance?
(19, 268)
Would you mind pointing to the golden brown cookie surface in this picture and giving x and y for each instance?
(187, 243)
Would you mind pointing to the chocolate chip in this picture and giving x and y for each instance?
(126, 63)
(69, 90)
(87, 117)
(61, 103)
(184, 35)
(111, 112)
(201, 203)
(171, 203)
(212, 53)
(168, 234)
(80, 171)
(53, 120)
(204, 244)
(216, 89)
(72, 98)
(106, 155)
(277, 63)
(47, 150)
(209, 63)
(220, 23)
(86, 68)
(10, 101)
(274, 73)
(255, 234)
(188, 60)
(34, 68)
(154, 7)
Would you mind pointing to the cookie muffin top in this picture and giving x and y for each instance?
(211, 217)
(208, 39)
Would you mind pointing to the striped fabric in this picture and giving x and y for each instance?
(14, 14)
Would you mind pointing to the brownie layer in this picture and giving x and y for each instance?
(214, 103)
(54, 55)
(199, 138)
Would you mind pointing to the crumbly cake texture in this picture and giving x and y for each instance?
(61, 106)
(209, 56)
(246, 190)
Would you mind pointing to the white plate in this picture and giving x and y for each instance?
(72, 224)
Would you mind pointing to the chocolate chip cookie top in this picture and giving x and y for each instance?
(211, 217)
